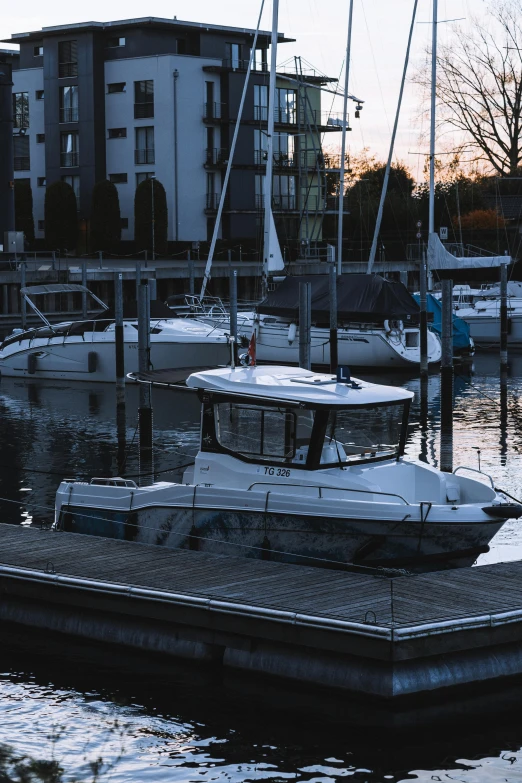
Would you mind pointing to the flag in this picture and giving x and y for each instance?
(252, 350)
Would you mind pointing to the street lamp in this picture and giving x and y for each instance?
(153, 223)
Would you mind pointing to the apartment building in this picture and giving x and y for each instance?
(141, 98)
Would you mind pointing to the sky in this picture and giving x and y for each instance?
(380, 33)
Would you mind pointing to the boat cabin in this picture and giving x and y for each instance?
(289, 417)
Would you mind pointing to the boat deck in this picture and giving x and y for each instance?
(243, 605)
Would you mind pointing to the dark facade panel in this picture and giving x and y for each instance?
(150, 41)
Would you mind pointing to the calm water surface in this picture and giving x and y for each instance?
(153, 721)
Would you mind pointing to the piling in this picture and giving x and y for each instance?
(190, 274)
(334, 361)
(305, 315)
(146, 466)
(423, 323)
(446, 379)
(23, 303)
(503, 318)
(84, 293)
(118, 327)
(153, 290)
(100, 258)
(503, 416)
(233, 311)
(138, 279)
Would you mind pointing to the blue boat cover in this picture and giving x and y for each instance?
(460, 327)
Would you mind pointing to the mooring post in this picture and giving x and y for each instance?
(446, 379)
(153, 289)
(23, 303)
(229, 254)
(423, 322)
(334, 361)
(146, 466)
(190, 273)
(233, 311)
(118, 327)
(54, 259)
(503, 416)
(100, 258)
(84, 293)
(305, 315)
(503, 319)
(138, 279)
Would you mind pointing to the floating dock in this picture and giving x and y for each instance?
(373, 635)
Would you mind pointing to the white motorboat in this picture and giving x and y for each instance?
(303, 468)
(483, 318)
(85, 350)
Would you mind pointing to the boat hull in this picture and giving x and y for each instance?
(485, 330)
(292, 538)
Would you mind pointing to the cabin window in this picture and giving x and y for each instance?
(264, 433)
(362, 433)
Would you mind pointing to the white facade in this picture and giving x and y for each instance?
(30, 80)
(188, 89)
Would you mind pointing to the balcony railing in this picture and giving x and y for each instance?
(144, 156)
(68, 159)
(22, 163)
(281, 159)
(280, 203)
(212, 201)
(215, 157)
(213, 110)
(66, 70)
(143, 111)
(21, 119)
(281, 116)
(332, 203)
(69, 114)
(234, 64)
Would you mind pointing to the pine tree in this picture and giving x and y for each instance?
(143, 216)
(23, 198)
(105, 230)
(61, 217)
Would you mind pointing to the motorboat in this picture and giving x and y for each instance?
(463, 343)
(299, 467)
(85, 350)
(483, 319)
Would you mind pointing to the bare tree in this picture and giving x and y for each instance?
(479, 88)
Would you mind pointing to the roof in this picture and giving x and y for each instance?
(153, 21)
(293, 384)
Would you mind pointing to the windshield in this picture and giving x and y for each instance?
(358, 434)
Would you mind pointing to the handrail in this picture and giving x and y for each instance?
(325, 486)
(475, 470)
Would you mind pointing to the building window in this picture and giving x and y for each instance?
(116, 87)
(143, 99)
(69, 149)
(41, 182)
(118, 179)
(117, 133)
(74, 181)
(143, 175)
(261, 102)
(260, 190)
(67, 59)
(39, 95)
(22, 161)
(113, 42)
(37, 51)
(21, 109)
(40, 138)
(41, 225)
(212, 196)
(283, 194)
(144, 152)
(69, 103)
(285, 106)
(233, 56)
(124, 222)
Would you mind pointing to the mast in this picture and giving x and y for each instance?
(431, 222)
(343, 143)
(269, 147)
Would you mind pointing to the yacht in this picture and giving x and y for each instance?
(85, 350)
(299, 467)
(483, 316)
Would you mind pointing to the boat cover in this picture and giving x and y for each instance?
(440, 258)
(460, 327)
(360, 297)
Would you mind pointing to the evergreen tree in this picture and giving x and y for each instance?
(23, 198)
(61, 217)
(143, 216)
(105, 230)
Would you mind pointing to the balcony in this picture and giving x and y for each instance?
(69, 114)
(22, 163)
(212, 202)
(279, 203)
(144, 156)
(213, 111)
(216, 157)
(281, 159)
(143, 111)
(67, 70)
(69, 159)
(234, 64)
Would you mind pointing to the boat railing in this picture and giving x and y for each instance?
(475, 470)
(320, 489)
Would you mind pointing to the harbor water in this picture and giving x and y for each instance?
(92, 713)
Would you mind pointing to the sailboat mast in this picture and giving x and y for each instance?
(343, 144)
(270, 146)
(431, 222)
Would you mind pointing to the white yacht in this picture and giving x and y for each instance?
(85, 350)
(483, 316)
(303, 468)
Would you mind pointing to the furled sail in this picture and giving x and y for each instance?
(440, 258)
(275, 258)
